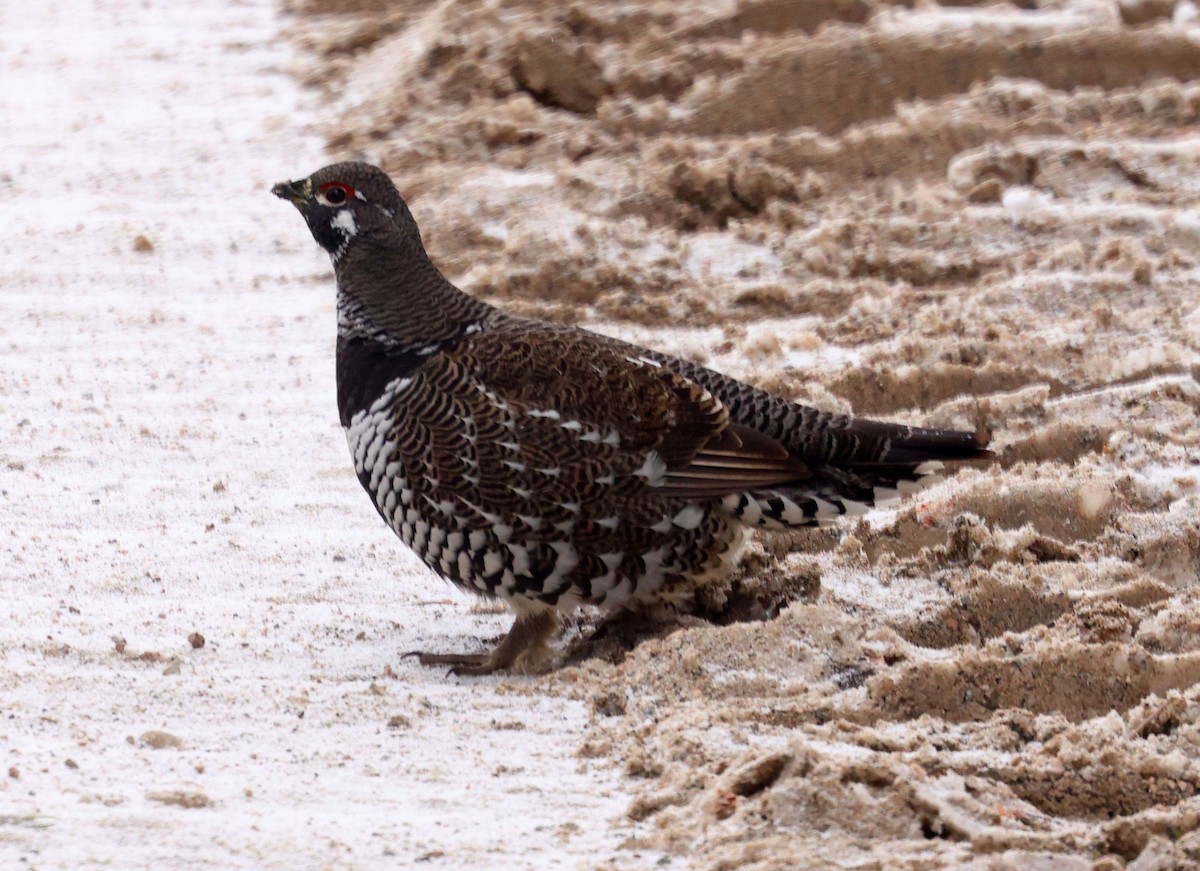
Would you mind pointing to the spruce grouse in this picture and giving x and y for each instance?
(550, 466)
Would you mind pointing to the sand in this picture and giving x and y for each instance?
(975, 216)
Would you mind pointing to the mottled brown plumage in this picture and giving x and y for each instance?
(551, 466)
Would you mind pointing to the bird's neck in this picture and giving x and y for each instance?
(395, 297)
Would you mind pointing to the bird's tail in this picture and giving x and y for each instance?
(908, 459)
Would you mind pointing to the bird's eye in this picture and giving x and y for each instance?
(335, 193)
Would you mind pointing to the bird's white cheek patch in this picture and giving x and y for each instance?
(343, 222)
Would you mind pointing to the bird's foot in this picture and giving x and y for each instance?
(460, 663)
(519, 651)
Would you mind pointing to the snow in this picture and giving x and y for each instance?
(1022, 200)
(171, 464)
(831, 356)
(1185, 14)
(720, 255)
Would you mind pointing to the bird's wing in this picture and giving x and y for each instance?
(578, 379)
(737, 458)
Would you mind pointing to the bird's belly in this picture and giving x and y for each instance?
(500, 555)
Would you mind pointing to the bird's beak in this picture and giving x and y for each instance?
(295, 192)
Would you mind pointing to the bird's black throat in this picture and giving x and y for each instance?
(320, 223)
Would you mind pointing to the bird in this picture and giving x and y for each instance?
(552, 467)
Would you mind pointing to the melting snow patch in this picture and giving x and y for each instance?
(1021, 201)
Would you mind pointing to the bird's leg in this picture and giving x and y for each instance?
(526, 638)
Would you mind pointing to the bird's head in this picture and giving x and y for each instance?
(346, 204)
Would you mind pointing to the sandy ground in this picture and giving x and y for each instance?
(201, 621)
(982, 215)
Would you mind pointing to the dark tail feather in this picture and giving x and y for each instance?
(904, 459)
(899, 445)
(891, 460)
